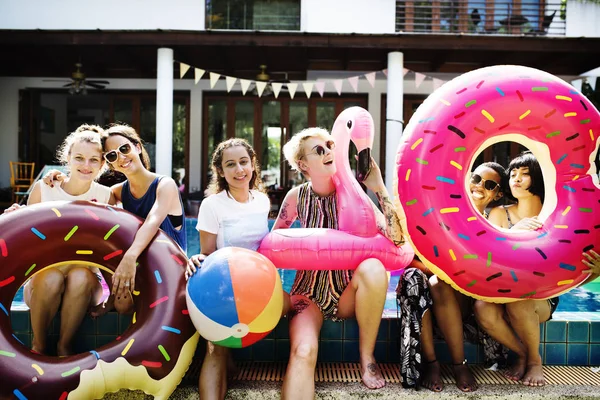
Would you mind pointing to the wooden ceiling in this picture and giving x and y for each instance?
(132, 54)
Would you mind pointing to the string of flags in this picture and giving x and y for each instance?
(319, 86)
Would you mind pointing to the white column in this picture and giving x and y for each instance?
(394, 115)
(164, 112)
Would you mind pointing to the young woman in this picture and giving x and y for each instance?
(335, 295)
(73, 288)
(516, 325)
(486, 187)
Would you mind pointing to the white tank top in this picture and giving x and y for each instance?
(96, 194)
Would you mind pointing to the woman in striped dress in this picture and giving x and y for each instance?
(335, 295)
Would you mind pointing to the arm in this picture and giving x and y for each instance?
(36, 194)
(497, 217)
(391, 228)
(288, 211)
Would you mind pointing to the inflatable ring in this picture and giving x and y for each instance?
(502, 103)
(357, 237)
(151, 355)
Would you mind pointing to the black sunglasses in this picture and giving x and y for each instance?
(488, 184)
(113, 155)
(320, 150)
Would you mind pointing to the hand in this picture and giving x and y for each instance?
(123, 280)
(528, 224)
(592, 260)
(373, 180)
(194, 263)
(102, 308)
(53, 176)
(12, 208)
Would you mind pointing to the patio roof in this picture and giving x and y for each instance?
(132, 54)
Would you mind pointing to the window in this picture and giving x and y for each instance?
(281, 15)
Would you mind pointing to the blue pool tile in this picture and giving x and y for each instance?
(556, 331)
(381, 351)
(350, 329)
(124, 322)
(281, 331)
(108, 324)
(577, 353)
(543, 332)
(264, 350)
(330, 351)
(87, 327)
(393, 352)
(595, 332)
(350, 349)
(441, 352)
(394, 330)
(331, 330)
(101, 340)
(556, 354)
(24, 338)
(20, 321)
(578, 331)
(595, 354)
(470, 352)
(282, 350)
(384, 327)
(85, 343)
(244, 354)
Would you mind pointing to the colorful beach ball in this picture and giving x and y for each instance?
(236, 298)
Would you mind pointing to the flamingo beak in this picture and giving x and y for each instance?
(363, 165)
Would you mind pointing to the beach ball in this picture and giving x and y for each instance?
(236, 298)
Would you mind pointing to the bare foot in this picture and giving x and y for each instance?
(534, 376)
(63, 350)
(371, 375)
(432, 378)
(517, 370)
(465, 380)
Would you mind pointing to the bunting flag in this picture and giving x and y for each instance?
(577, 84)
(183, 68)
(385, 72)
(320, 87)
(292, 88)
(437, 83)
(353, 80)
(371, 78)
(198, 73)
(405, 70)
(245, 85)
(308, 86)
(592, 82)
(214, 77)
(337, 84)
(276, 88)
(260, 87)
(419, 78)
(229, 82)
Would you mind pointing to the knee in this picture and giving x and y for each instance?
(81, 280)
(520, 309)
(440, 290)
(487, 314)
(51, 282)
(306, 353)
(371, 270)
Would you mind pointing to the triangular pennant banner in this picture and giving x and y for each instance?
(385, 72)
(292, 88)
(214, 77)
(437, 83)
(260, 87)
(198, 73)
(183, 68)
(371, 78)
(229, 82)
(337, 84)
(577, 84)
(320, 87)
(419, 78)
(405, 71)
(354, 83)
(245, 85)
(308, 86)
(592, 81)
(276, 88)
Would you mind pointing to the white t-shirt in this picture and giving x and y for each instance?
(96, 194)
(235, 224)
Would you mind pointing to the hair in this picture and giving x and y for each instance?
(130, 134)
(499, 169)
(83, 134)
(528, 160)
(293, 150)
(218, 183)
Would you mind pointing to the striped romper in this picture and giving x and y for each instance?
(323, 288)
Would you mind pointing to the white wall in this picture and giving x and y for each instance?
(583, 19)
(348, 16)
(106, 14)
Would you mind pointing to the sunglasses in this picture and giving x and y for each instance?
(113, 155)
(487, 183)
(320, 150)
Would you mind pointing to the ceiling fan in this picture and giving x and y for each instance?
(78, 83)
(263, 76)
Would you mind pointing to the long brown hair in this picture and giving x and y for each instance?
(130, 134)
(218, 182)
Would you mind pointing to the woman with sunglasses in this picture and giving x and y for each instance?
(335, 295)
(449, 306)
(74, 289)
(516, 325)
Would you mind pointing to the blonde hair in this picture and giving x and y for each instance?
(293, 150)
(83, 134)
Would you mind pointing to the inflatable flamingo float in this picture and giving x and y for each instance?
(358, 238)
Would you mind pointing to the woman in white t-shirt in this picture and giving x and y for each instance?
(234, 214)
(73, 288)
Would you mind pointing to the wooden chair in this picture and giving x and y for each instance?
(21, 178)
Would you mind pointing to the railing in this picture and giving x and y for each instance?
(496, 17)
(283, 15)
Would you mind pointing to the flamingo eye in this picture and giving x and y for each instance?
(349, 124)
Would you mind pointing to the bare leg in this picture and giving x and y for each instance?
(525, 318)
(490, 317)
(449, 306)
(213, 376)
(42, 295)
(432, 378)
(81, 290)
(365, 298)
(305, 325)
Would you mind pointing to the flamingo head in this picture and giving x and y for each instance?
(356, 124)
